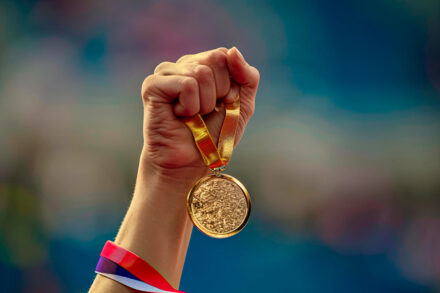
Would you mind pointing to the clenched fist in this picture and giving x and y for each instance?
(200, 83)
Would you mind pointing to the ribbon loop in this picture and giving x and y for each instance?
(213, 156)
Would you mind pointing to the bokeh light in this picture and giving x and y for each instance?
(342, 157)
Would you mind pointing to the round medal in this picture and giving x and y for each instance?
(219, 205)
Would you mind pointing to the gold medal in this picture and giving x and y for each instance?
(219, 205)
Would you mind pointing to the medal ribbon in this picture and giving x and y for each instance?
(216, 158)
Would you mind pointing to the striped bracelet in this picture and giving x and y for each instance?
(130, 270)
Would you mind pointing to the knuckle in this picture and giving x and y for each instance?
(202, 72)
(161, 66)
(223, 49)
(183, 58)
(189, 85)
(147, 86)
(217, 57)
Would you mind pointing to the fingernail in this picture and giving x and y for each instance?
(239, 53)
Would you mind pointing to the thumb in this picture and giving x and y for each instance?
(247, 78)
(241, 72)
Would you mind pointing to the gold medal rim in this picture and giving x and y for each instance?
(206, 231)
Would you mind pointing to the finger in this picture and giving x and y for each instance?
(216, 60)
(241, 71)
(189, 100)
(248, 78)
(182, 91)
(204, 76)
(233, 93)
(184, 58)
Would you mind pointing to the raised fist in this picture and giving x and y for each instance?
(199, 83)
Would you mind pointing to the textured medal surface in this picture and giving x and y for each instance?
(219, 206)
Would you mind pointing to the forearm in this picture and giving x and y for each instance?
(156, 227)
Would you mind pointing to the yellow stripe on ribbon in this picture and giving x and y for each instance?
(212, 156)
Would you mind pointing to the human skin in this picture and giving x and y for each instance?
(156, 226)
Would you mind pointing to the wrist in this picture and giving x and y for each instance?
(157, 226)
(182, 177)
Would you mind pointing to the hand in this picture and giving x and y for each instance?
(199, 83)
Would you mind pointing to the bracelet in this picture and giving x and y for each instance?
(127, 268)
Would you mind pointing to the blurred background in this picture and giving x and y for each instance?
(342, 157)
